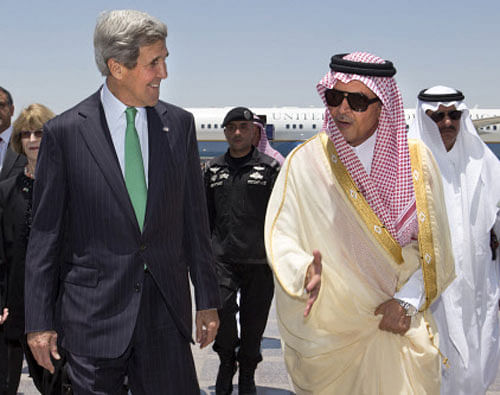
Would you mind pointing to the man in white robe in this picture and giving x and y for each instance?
(467, 312)
(351, 235)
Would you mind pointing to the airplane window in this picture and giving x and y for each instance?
(294, 126)
(203, 126)
(494, 127)
(209, 126)
(215, 126)
(300, 126)
(314, 126)
(287, 126)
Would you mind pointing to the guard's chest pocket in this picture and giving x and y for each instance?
(218, 178)
(257, 177)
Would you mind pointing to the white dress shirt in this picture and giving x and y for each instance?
(413, 290)
(114, 110)
(4, 144)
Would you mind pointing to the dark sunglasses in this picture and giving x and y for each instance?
(438, 116)
(357, 101)
(26, 134)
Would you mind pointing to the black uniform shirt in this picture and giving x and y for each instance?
(238, 190)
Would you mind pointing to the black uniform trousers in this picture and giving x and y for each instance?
(156, 342)
(256, 286)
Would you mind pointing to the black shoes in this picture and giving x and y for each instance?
(246, 381)
(224, 382)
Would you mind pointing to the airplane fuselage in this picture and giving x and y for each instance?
(288, 126)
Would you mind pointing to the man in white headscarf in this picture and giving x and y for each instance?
(357, 236)
(467, 312)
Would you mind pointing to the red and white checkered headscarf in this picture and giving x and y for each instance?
(389, 187)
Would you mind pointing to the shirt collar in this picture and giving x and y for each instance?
(5, 135)
(365, 150)
(113, 107)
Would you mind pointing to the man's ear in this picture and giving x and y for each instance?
(115, 68)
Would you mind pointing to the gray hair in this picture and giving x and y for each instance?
(120, 33)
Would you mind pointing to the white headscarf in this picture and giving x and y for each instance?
(469, 155)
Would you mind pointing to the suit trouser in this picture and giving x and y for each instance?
(4, 366)
(157, 361)
(256, 286)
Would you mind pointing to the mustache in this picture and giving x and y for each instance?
(343, 118)
(448, 128)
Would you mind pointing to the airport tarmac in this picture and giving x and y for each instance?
(271, 377)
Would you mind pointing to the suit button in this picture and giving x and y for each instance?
(137, 287)
(142, 247)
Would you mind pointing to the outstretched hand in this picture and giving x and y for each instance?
(394, 317)
(313, 281)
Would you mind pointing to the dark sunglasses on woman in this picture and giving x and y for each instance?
(26, 134)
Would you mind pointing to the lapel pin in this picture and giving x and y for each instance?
(165, 129)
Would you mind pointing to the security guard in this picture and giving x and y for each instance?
(238, 186)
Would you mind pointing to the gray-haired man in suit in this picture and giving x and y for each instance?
(119, 223)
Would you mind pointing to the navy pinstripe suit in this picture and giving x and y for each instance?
(86, 248)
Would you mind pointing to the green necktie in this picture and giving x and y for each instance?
(134, 168)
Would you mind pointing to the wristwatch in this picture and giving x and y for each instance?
(409, 308)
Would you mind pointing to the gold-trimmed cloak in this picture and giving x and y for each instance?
(338, 348)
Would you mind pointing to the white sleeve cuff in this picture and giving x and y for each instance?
(413, 291)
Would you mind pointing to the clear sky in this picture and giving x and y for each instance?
(256, 53)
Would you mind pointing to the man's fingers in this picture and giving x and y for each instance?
(198, 331)
(312, 298)
(313, 283)
(378, 310)
(42, 345)
(307, 310)
(208, 334)
(53, 348)
(317, 259)
(207, 323)
(4, 315)
(42, 356)
(203, 338)
(212, 330)
(393, 320)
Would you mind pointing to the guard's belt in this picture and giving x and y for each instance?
(339, 64)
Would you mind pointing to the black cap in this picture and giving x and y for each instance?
(338, 63)
(238, 114)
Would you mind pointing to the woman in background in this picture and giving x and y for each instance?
(15, 224)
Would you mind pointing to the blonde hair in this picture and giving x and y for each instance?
(31, 118)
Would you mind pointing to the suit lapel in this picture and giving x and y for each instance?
(94, 129)
(160, 160)
(8, 163)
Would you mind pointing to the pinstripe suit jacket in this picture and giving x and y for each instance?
(86, 249)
